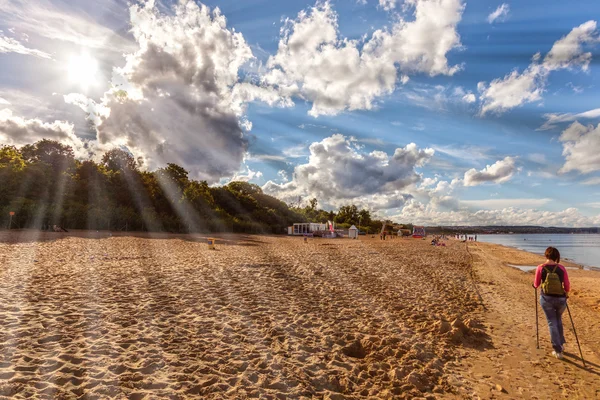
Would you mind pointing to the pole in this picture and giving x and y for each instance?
(576, 338)
(537, 327)
(10, 222)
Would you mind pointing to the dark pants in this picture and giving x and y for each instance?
(554, 307)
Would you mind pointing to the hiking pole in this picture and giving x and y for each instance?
(576, 338)
(537, 327)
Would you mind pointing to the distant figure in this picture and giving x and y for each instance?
(475, 237)
(555, 284)
(57, 228)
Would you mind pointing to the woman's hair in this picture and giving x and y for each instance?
(553, 254)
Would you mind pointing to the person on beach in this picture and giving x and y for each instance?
(554, 280)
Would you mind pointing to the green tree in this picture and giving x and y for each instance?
(175, 174)
(244, 188)
(347, 215)
(119, 160)
(11, 157)
(59, 156)
(44, 184)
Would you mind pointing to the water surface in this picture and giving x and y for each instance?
(579, 248)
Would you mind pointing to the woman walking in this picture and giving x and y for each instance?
(555, 284)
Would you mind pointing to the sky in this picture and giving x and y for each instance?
(435, 112)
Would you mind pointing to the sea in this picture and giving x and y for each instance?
(583, 249)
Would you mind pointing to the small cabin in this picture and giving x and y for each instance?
(353, 232)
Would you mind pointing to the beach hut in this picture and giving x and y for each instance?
(353, 232)
(307, 228)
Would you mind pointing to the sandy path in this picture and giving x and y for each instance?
(271, 317)
(513, 362)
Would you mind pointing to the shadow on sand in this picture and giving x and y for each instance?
(575, 360)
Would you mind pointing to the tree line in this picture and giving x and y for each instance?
(43, 184)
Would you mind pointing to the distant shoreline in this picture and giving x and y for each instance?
(508, 230)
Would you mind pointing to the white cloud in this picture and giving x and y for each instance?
(283, 175)
(592, 181)
(95, 111)
(553, 119)
(437, 206)
(338, 171)
(246, 175)
(181, 100)
(469, 98)
(514, 89)
(581, 148)
(505, 203)
(336, 74)
(388, 5)
(568, 52)
(499, 172)
(517, 88)
(419, 213)
(298, 151)
(18, 131)
(183, 73)
(427, 182)
(47, 19)
(10, 45)
(4, 101)
(500, 14)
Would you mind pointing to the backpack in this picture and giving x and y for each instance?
(552, 284)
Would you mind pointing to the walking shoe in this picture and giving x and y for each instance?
(557, 355)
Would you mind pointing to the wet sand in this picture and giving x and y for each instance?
(87, 315)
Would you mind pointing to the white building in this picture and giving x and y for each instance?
(353, 232)
(306, 228)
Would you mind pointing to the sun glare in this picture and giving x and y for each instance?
(83, 70)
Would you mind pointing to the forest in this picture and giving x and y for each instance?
(43, 184)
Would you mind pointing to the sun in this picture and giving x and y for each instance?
(83, 70)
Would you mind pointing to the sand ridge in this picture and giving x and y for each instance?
(159, 316)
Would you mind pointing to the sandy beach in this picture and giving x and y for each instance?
(88, 315)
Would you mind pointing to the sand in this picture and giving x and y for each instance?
(514, 363)
(87, 315)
